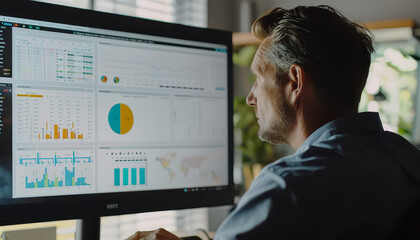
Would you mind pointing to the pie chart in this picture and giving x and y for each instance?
(120, 118)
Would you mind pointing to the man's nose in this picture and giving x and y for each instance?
(250, 99)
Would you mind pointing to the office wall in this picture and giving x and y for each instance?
(360, 10)
(224, 14)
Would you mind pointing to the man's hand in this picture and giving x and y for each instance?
(158, 234)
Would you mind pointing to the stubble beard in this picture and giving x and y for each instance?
(279, 130)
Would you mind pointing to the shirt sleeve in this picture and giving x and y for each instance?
(267, 210)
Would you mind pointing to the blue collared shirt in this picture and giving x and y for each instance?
(344, 182)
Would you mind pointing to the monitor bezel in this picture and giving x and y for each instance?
(14, 211)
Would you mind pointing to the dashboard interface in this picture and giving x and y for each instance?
(88, 110)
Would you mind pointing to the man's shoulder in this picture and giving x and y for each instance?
(343, 153)
(313, 160)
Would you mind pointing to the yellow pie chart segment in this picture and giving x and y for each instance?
(120, 118)
(127, 119)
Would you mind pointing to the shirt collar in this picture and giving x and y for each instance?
(360, 123)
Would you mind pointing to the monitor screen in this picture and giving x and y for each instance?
(123, 115)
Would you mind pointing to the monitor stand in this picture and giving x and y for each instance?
(88, 228)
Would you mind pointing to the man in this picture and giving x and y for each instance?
(349, 179)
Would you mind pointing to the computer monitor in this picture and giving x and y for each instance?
(103, 114)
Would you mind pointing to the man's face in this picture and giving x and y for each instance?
(271, 108)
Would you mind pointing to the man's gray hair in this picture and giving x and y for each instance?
(333, 50)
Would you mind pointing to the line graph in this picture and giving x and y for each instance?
(141, 68)
(152, 68)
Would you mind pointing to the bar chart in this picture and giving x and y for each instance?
(45, 172)
(129, 176)
(123, 169)
(64, 178)
(54, 115)
(59, 132)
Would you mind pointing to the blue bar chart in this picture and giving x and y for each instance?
(137, 176)
(123, 169)
(49, 170)
(67, 179)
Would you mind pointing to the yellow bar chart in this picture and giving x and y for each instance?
(60, 132)
(54, 115)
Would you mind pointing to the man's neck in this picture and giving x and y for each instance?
(309, 121)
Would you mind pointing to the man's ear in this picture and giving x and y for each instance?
(296, 86)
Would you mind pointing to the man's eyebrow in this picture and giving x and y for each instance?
(256, 68)
(253, 69)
